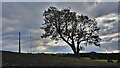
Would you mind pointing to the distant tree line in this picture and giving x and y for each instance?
(92, 55)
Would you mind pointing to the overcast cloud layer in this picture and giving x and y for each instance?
(26, 17)
(60, 0)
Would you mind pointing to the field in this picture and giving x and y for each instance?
(16, 59)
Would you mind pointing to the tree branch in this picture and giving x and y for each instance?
(59, 32)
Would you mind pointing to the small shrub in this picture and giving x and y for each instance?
(118, 61)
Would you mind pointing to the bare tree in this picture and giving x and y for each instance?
(72, 28)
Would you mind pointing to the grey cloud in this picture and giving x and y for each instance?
(65, 49)
(9, 45)
(112, 30)
(59, 49)
(111, 45)
(60, 1)
(25, 16)
(109, 21)
(104, 8)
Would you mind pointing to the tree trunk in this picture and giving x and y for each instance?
(74, 49)
(76, 52)
(78, 49)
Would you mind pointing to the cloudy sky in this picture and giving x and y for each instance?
(26, 17)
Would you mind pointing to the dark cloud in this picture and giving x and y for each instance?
(109, 21)
(104, 8)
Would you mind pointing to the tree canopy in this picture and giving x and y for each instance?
(70, 27)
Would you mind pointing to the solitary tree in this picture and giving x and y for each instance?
(70, 27)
